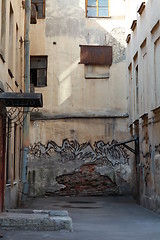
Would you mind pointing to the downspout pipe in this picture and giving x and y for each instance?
(26, 109)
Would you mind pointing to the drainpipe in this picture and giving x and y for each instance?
(26, 109)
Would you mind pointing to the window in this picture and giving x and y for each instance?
(39, 6)
(137, 90)
(130, 89)
(3, 29)
(15, 151)
(8, 150)
(11, 42)
(157, 71)
(97, 8)
(97, 60)
(17, 56)
(38, 71)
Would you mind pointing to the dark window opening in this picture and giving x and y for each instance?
(15, 149)
(34, 76)
(137, 90)
(38, 71)
(8, 151)
(38, 8)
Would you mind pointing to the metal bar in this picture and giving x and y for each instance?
(97, 8)
(27, 90)
(121, 143)
(129, 148)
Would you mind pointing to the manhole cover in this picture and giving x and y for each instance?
(81, 207)
(82, 202)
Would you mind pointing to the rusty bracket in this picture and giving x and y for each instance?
(134, 150)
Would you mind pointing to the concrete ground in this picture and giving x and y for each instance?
(95, 218)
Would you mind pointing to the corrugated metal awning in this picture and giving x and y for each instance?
(11, 99)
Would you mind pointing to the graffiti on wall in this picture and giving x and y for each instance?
(146, 167)
(78, 169)
(72, 150)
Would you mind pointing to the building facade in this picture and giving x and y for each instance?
(11, 80)
(143, 76)
(78, 63)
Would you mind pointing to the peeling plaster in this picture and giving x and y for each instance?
(101, 166)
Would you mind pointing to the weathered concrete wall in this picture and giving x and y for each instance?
(83, 111)
(11, 196)
(78, 169)
(143, 54)
(12, 77)
(62, 31)
(149, 165)
(76, 166)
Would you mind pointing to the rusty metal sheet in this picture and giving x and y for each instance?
(11, 99)
(96, 55)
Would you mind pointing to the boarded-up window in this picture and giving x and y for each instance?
(97, 8)
(38, 71)
(96, 55)
(40, 8)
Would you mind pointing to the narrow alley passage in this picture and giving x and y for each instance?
(95, 218)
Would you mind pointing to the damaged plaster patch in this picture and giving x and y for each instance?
(75, 168)
(117, 41)
(105, 171)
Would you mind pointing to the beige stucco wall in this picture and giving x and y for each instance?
(82, 130)
(143, 50)
(18, 21)
(67, 88)
(77, 110)
(12, 58)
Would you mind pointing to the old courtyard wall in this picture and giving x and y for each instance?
(143, 78)
(11, 80)
(71, 137)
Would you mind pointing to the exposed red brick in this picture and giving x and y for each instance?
(86, 182)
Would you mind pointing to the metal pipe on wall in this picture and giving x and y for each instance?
(26, 109)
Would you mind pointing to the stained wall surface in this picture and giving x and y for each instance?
(11, 80)
(85, 106)
(143, 78)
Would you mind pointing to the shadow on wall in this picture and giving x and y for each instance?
(66, 24)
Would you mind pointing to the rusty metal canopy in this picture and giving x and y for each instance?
(96, 55)
(11, 99)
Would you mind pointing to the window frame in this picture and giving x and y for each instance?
(37, 3)
(41, 57)
(3, 31)
(97, 9)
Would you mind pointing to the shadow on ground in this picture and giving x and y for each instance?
(95, 218)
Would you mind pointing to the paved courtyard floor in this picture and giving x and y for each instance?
(95, 218)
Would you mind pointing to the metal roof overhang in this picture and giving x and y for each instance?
(11, 99)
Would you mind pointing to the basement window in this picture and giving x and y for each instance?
(39, 6)
(38, 71)
(97, 8)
